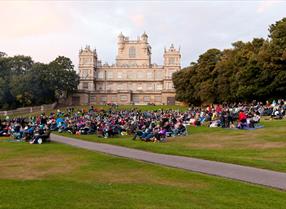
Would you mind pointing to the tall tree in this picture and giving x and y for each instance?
(63, 77)
(254, 70)
(24, 83)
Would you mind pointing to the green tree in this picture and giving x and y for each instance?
(254, 70)
(62, 76)
(24, 83)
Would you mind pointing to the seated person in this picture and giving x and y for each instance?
(242, 123)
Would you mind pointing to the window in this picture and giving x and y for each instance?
(121, 86)
(171, 60)
(92, 98)
(123, 98)
(158, 99)
(139, 86)
(140, 75)
(130, 75)
(159, 86)
(136, 99)
(103, 99)
(149, 75)
(150, 86)
(109, 86)
(119, 75)
(99, 86)
(109, 75)
(170, 72)
(100, 75)
(84, 73)
(131, 86)
(159, 74)
(84, 61)
(85, 85)
(146, 98)
(170, 85)
(132, 52)
(113, 98)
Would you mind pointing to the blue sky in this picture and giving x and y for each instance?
(46, 29)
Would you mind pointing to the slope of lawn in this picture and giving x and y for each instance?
(50, 176)
(263, 148)
(102, 107)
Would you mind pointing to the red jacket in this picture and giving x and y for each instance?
(241, 116)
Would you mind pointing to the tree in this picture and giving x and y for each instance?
(182, 83)
(24, 83)
(277, 53)
(254, 70)
(3, 54)
(62, 77)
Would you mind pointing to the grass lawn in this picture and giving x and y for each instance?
(263, 148)
(57, 176)
(104, 107)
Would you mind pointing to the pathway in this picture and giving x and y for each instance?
(243, 173)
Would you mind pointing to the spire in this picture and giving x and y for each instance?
(144, 35)
(121, 38)
(120, 35)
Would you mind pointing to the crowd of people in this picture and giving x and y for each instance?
(154, 125)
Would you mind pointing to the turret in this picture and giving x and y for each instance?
(120, 38)
(172, 64)
(172, 56)
(87, 67)
(120, 43)
(133, 52)
(144, 37)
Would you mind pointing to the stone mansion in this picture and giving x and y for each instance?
(131, 80)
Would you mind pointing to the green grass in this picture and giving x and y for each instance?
(50, 176)
(104, 107)
(263, 148)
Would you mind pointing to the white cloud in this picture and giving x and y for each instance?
(48, 29)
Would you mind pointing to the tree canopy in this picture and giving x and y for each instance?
(254, 70)
(24, 82)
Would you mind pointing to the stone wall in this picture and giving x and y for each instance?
(26, 110)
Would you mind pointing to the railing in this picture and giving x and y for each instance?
(26, 110)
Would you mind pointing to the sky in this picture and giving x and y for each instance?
(47, 29)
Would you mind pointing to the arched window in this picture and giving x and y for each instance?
(132, 52)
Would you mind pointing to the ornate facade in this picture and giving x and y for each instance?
(132, 79)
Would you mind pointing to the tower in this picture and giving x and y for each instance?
(133, 52)
(172, 64)
(87, 67)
